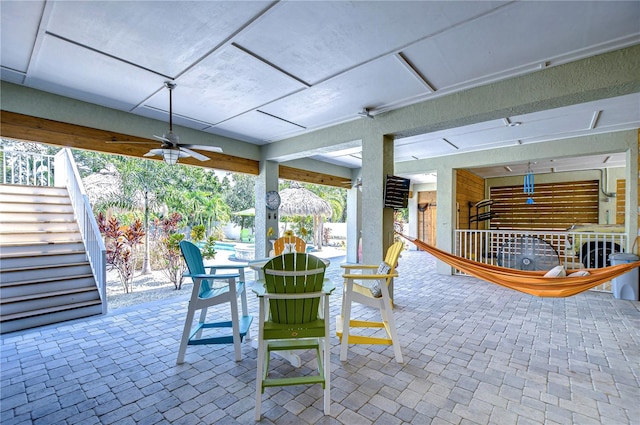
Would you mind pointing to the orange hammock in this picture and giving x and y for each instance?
(529, 282)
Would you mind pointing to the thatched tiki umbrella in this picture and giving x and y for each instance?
(297, 200)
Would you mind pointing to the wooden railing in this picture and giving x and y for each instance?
(505, 247)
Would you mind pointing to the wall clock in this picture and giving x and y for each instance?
(273, 200)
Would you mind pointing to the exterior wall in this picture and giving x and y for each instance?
(607, 206)
(470, 190)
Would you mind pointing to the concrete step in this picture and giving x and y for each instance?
(29, 260)
(34, 249)
(43, 286)
(33, 273)
(39, 237)
(52, 315)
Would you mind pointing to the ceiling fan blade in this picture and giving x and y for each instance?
(164, 139)
(194, 154)
(203, 148)
(154, 152)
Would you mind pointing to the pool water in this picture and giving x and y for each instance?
(225, 246)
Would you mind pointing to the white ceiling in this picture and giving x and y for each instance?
(264, 71)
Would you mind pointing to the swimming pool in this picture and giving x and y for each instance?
(225, 246)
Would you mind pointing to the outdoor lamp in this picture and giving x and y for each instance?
(170, 155)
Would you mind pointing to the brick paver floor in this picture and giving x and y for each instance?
(475, 353)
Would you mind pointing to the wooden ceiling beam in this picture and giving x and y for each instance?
(40, 130)
(33, 129)
(296, 174)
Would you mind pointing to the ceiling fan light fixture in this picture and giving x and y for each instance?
(170, 155)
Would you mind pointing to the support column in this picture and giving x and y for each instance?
(354, 221)
(267, 180)
(446, 217)
(632, 205)
(411, 227)
(377, 223)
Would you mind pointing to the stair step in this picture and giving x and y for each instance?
(12, 207)
(49, 316)
(43, 286)
(34, 199)
(7, 227)
(45, 275)
(45, 217)
(13, 276)
(41, 260)
(45, 248)
(33, 190)
(35, 302)
(39, 237)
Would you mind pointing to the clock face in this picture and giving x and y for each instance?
(273, 200)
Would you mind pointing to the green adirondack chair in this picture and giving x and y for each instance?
(205, 294)
(294, 315)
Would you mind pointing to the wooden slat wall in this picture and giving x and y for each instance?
(556, 206)
(621, 196)
(469, 189)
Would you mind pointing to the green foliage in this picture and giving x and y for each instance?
(169, 245)
(197, 233)
(239, 194)
(303, 227)
(208, 251)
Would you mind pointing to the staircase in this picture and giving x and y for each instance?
(45, 276)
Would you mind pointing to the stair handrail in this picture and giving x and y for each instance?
(66, 175)
(27, 168)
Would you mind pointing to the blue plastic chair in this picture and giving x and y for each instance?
(205, 294)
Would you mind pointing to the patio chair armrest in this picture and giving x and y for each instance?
(369, 276)
(259, 288)
(216, 267)
(359, 266)
(328, 287)
(212, 276)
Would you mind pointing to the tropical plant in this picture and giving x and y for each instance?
(121, 242)
(239, 194)
(197, 233)
(170, 238)
(208, 251)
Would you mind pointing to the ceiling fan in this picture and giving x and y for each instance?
(171, 148)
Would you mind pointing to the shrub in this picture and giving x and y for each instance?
(121, 243)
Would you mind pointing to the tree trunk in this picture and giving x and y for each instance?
(146, 262)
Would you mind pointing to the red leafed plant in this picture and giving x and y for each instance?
(121, 243)
(170, 242)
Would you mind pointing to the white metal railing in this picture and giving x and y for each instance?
(67, 175)
(505, 247)
(27, 168)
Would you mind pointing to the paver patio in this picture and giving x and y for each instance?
(475, 353)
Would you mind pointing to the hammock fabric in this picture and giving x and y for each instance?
(529, 282)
